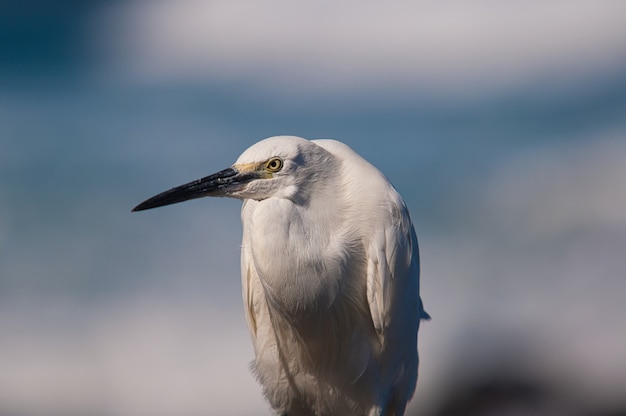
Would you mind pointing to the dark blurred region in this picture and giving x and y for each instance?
(507, 393)
(510, 372)
(46, 39)
(505, 389)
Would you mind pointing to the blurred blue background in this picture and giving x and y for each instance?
(503, 124)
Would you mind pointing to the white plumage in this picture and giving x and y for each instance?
(330, 276)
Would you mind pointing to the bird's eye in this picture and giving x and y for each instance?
(274, 164)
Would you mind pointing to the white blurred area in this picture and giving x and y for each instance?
(502, 123)
(146, 355)
(328, 47)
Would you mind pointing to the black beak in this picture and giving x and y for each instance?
(218, 184)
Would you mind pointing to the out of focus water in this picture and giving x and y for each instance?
(518, 194)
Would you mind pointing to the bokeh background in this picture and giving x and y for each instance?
(502, 123)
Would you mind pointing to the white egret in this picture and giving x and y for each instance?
(330, 273)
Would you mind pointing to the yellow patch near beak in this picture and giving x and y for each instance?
(258, 168)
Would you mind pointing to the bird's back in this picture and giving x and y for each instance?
(393, 273)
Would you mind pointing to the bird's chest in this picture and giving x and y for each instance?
(312, 294)
(299, 258)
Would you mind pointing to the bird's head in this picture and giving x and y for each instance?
(279, 167)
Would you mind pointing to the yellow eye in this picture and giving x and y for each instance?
(274, 164)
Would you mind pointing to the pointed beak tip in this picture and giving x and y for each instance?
(154, 202)
(138, 208)
(212, 185)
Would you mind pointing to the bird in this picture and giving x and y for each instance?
(330, 274)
